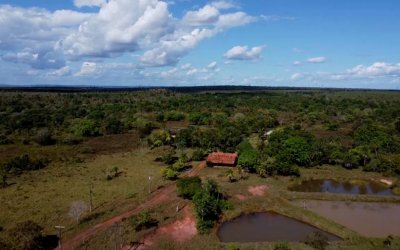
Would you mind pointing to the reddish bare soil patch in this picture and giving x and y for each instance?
(240, 197)
(257, 190)
(180, 230)
(10, 151)
(386, 182)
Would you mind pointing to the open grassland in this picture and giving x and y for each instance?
(62, 153)
(45, 196)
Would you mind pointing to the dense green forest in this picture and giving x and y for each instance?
(352, 129)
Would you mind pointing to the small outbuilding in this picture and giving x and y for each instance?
(222, 159)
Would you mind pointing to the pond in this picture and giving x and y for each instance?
(343, 187)
(370, 219)
(267, 226)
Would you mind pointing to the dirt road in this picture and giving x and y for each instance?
(161, 195)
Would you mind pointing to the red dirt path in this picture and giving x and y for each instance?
(161, 195)
(181, 230)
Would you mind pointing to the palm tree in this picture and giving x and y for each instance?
(261, 172)
(230, 175)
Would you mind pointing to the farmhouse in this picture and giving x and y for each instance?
(222, 159)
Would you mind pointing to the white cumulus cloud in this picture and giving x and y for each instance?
(320, 59)
(376, 69)
(30, 35)
(87, 68)
(244, 53)
(64, 71)
(204, 16)
(194, 27)
(120, 26)
(169, 52)
(48, 39)
(224, 5)
(212, 66)
(236, 19)
(37, 59)
(297, 63)
(296, 76)
(89, 3)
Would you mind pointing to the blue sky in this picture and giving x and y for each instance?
(318, 43)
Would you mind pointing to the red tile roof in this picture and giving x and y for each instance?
(222, 158)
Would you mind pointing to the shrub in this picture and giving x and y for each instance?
(199, 118)
(113, 173)
(173, 116)
(4, 140)
(231, 175)
(317, 240)
(397, 125)
(24, 163)
(281, 246)
(287, 169)
(170, 174)
(188, 187)
(198, 155)
(113, 126)
(179, 165)
(86, 128)
(388, 242)
(142, 221)
(3, 177)
(350, 160)
(4, 245)
(232, 247)
(26, 235)
(44, 137)
(159, 138)
(167, 155)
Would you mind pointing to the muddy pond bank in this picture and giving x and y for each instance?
(370, 219)
(342, 187)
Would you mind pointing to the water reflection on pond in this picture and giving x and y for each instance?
(343, 187)
(371, 219)
(267, 226)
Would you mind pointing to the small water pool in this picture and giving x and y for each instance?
(371, 219)
(343, 187)
(267, 226)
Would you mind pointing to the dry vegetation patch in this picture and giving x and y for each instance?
(45, 196)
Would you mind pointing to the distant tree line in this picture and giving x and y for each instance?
(351, 129)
